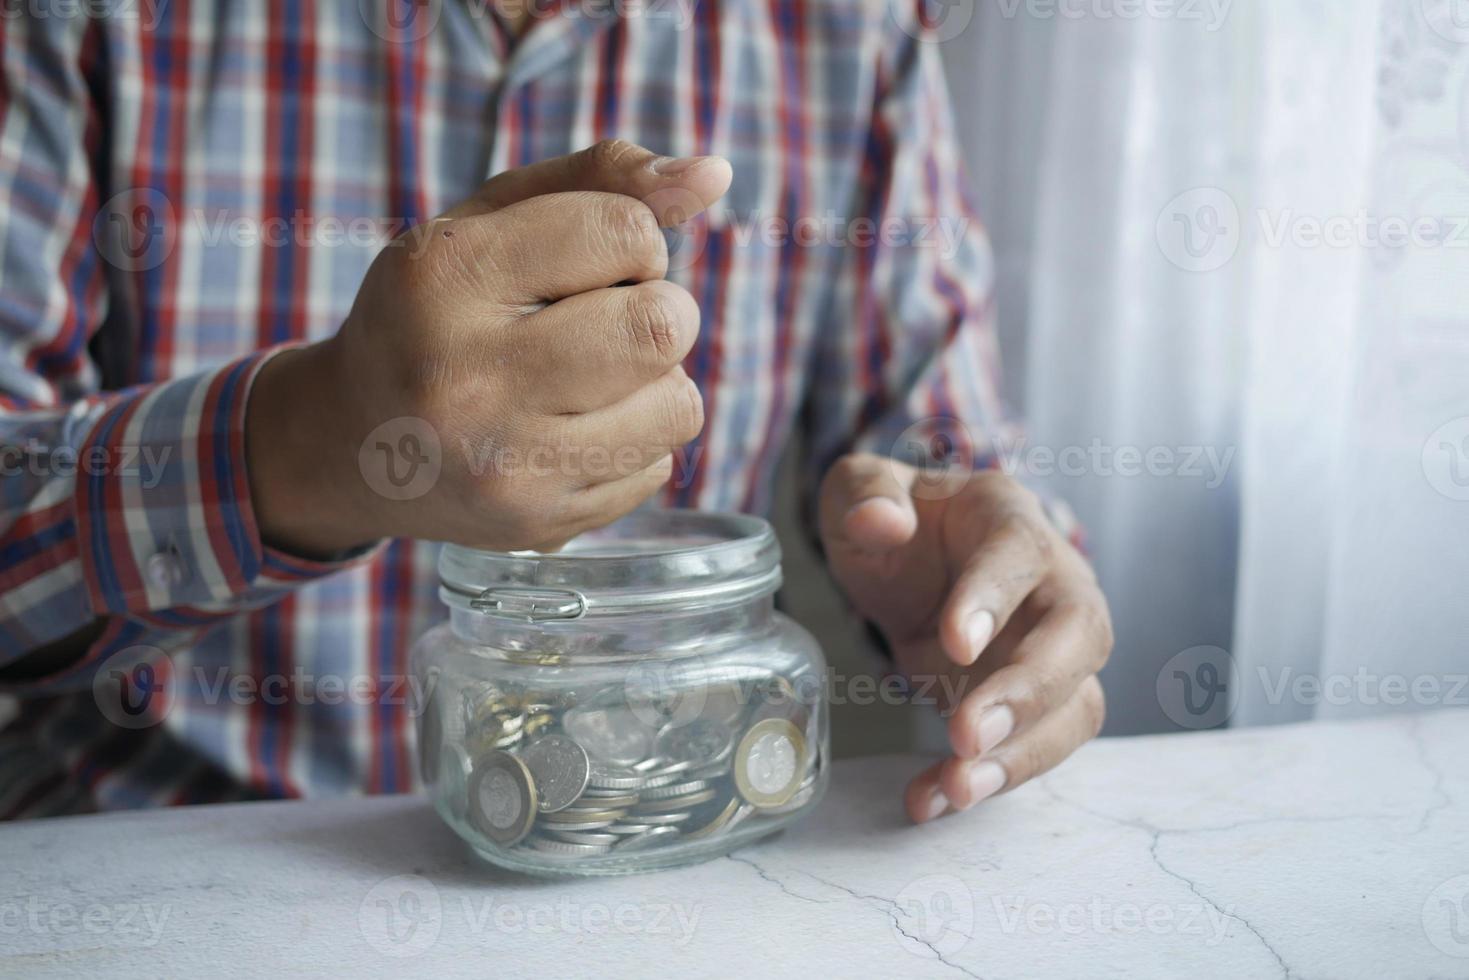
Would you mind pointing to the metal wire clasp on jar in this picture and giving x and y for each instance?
(632, 702)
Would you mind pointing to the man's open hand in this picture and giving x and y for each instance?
(971, 580)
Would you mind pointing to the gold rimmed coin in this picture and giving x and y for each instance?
(502, 798)
(767, 765)
(718, 823)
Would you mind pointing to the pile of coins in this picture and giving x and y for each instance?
(576, 779)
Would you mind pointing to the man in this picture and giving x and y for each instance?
(202, 363)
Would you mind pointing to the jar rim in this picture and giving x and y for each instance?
(650, 560)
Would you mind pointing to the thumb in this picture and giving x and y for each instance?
(675, 188)
(867, 504)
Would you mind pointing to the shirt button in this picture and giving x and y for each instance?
(166, 570)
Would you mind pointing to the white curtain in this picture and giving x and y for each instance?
(1233, 242)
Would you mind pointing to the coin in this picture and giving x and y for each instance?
(741, 815)
(723, 705)
(567, 849)
(718, 823)
(803, 797)
(685, 802)
(662, 819)
(561, 769)
(585, 837)
(602, 778)
(629, 828)
(678, 789)
(608, 799)
(650, 839)
(610, 735)
(700, 742)
(766, 769)
(502, 798)
(578, 816)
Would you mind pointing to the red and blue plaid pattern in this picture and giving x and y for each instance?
(845, 296)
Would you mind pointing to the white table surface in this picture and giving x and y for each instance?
(1333, 850)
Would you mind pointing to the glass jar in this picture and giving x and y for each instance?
(632, 702)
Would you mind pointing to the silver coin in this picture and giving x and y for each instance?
(615, 779)
(580, 817)
(666, 778)
(610, 799)
(662, 819)
(585, 837)
(654, 837)
(561, 769)
(622, 829)
(662, 768)
(702, 741)
(567, 849)
(673, 804)
(502, 798)
(677, 789)
(612, 735)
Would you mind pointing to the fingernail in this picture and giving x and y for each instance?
(985, 780)
(995, 725)
(937, 804)
(981, 631)
(668, 166)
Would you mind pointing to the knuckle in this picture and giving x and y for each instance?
(632, 230)
(1021, 530)
(655, 320)
(1035, 692)
(606, 154)
(1090, 615)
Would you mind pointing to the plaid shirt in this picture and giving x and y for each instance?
(186, 186)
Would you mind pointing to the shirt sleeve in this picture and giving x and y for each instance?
(908, 361)
(129, 507)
